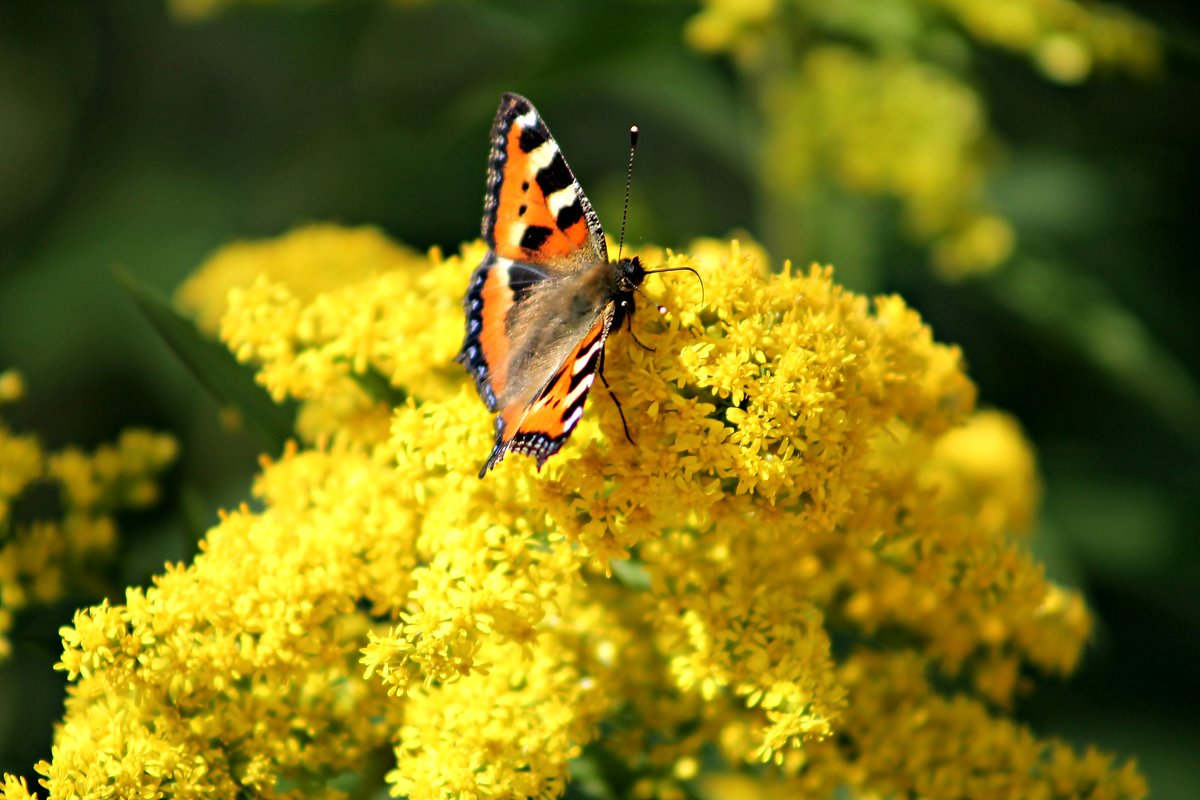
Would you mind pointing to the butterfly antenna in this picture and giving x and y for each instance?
(633, 137)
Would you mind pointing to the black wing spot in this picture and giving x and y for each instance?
(524, 186)
(569, 215)
(555, 175)
(521, 211)
(578, 378)
(535, 236)
(521, 279)
(531, 139)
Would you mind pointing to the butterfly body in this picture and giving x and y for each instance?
(541, 304)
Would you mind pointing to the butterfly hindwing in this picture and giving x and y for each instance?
(541, 427)
(534, 210)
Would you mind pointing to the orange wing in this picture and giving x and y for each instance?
(541, 427)
(534, 210)
(496, 286)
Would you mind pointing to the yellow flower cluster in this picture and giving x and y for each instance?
(813, 530)
(43, 554)
(909, 740)
(891, 114)
(1066, 39)
(890, 126)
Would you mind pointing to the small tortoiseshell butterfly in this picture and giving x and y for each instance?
(541, 304)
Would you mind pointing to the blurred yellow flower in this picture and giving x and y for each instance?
(813, 527)
(876, 99)
(1064, 38)
(12, 387)
(41, 556)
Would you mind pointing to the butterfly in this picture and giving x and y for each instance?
(541, 304)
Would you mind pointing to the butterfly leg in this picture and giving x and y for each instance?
(613, 395)
(636, 340)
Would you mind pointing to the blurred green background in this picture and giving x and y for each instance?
(143, 136)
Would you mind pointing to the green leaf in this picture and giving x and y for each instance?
(377, 387)
(631, 573)
(214, 366)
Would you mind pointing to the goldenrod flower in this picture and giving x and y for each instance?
(1063, 37)
(851, 100)
(40, 558)
(808, 527)
(12, 387)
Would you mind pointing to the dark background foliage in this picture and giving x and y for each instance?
(132, 139)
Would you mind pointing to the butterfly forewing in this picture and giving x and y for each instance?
(534, 209)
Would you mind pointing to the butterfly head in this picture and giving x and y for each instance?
(630, 275)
